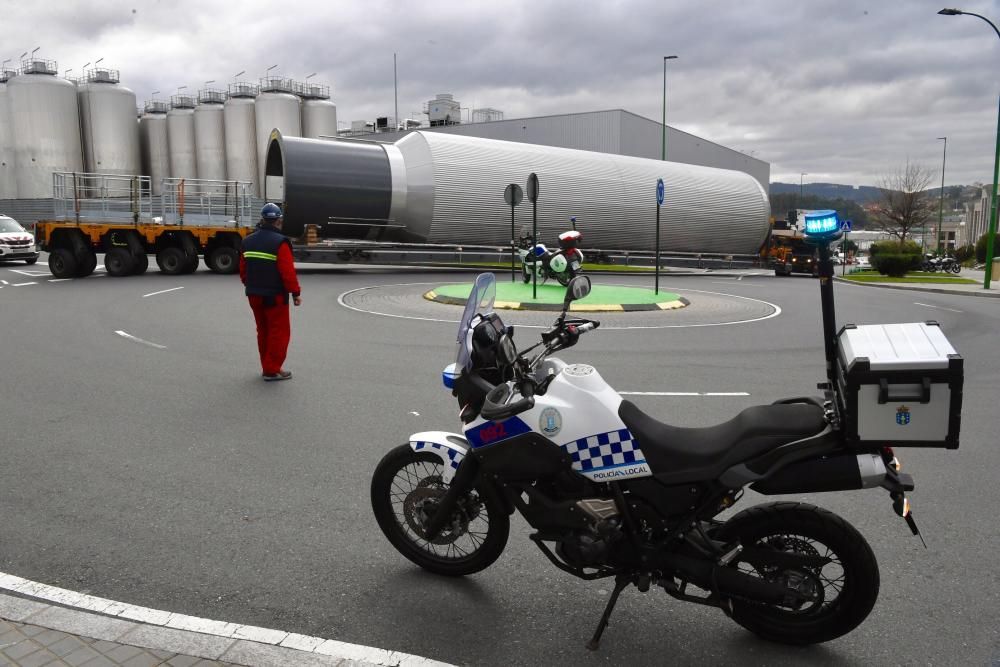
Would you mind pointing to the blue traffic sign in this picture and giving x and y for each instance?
(659, 192)
(845, 226)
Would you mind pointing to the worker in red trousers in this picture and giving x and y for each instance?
(268, 271)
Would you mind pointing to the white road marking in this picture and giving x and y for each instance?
(129, 336)
(776, 313)
(683, 393)
(412, 412)
(163, 291)
(31, 274)
(59, 280)
(4, 282)
(159, 617)
(917, 303)
(23, 284)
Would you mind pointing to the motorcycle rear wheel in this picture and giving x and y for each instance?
(405, 489)
(844, 590)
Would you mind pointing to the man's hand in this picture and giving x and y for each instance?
(297, 300)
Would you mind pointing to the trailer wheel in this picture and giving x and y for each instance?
(86, 263)
(62, 263)
(223, 259)
(171, 261)
(141, 261)
(118, 262)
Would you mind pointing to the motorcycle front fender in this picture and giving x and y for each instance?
(451, 448)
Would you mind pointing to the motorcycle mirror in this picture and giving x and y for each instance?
(578, 288)
(506, 350)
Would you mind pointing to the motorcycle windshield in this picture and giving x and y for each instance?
(484, 292)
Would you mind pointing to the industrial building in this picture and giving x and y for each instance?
(53, 124)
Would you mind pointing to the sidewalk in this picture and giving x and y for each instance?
(44, 625)
(962, 290)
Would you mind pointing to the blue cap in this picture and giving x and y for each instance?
(270, 212)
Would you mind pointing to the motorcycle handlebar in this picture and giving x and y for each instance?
(496, 408)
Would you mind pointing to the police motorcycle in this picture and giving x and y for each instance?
(562, 264)
(612, 492)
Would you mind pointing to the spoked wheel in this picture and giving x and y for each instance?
(839, 594)
(564, 278)
(406, 489)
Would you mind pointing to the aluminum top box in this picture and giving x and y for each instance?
(899, 385)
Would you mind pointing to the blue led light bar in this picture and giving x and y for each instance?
(822, 225)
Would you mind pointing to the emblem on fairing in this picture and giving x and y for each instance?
(550, 422)
(902, 415)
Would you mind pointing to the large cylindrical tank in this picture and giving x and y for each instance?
(8, 177)
(319, 114)
(155, 148)
(445, 188)
(241, 136)
(180, 137)
(275, 110)
(107, 123)
(45, 126)
(210, 136)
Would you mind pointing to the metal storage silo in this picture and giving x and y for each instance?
(180, 137)
(155, 148)
(276, 109)
(445, 188)
(319, 114)
(107, 123)
(8, 177)
(46, 127)
(241, 135)
(209, 135)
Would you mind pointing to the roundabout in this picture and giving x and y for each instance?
(602, 298)
(698, 308)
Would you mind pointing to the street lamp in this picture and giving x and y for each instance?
(996, 165)
(801, 174)
(663, 153)
(944, 156)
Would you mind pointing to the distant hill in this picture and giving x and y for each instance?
(861, 194)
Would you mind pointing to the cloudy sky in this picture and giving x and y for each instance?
(844, 90)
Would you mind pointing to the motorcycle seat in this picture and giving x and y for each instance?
(681, 454)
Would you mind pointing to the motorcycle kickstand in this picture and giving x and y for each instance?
(622, 582)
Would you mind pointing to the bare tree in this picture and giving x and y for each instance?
(903, 204)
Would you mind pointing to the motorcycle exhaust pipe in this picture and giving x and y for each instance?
(844, 472)
(729, 581)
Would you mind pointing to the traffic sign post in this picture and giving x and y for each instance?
(512, 194)
(533, 198)
(659, 203)
(845, 227)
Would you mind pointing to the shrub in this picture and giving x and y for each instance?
(981, 247)
(891, 258)
(895, 264)
(965, 253)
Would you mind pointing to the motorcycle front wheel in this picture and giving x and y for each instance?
(956, 268)
(406, 489)
(841, 593)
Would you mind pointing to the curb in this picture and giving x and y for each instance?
(935, 290)
(32, 603)
(680, 302)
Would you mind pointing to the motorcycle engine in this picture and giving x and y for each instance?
(591, 547)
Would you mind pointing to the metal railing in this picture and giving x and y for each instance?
(242, 89)
(101, 197)
(277, 85)
(311, 91)
(156, 106)
(211, 96)
(102, 75)
(182, 101)
(198, 202)
(38, 66)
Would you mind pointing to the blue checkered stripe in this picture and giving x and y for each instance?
(604, 450)
(454, 457)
